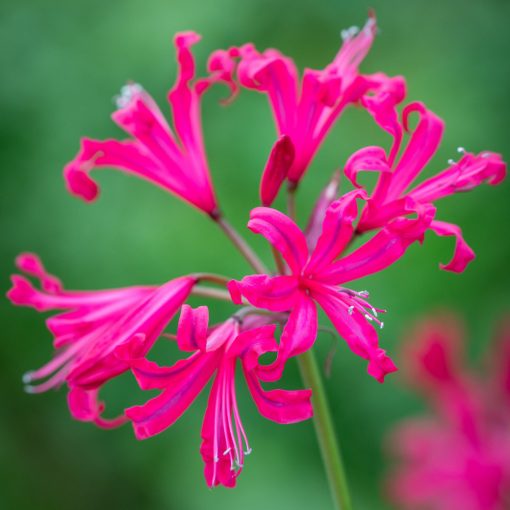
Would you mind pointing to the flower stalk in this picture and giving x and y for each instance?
(328, 444)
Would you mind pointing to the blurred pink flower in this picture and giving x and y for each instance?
(304, 108)
(391, 197)
(93, 325)
(460, 458)
(317, 276)
(176, 163)
(215, 352)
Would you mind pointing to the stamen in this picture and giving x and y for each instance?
(27, 377)
(452, 162)
(349, 33)
(127, 92)
(350, 310)
(461, 150)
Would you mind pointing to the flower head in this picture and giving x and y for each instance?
(316, 276)
(215, 352)
(92, 325)
(305, 108)
(460, 456)
(176, 162)
(392, 197)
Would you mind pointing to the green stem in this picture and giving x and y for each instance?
(328, 444)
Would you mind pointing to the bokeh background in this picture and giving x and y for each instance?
(62, 63)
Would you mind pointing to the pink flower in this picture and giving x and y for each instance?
(215, 353)
(177, 162)
(318, 276)
(93, 325)
(305, 109)
(392, 198)
(460, 458)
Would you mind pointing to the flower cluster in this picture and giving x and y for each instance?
(460, 456)
(100, 334)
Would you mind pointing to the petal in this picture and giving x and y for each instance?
(276, 75)
(298, 335)
(85, 406)
(381, 101)
(327, 196)
(281, 406)
(275, 293)
(182, 383)
(337, 231)
(276, 170)
(355, 329)
(371, 159)
(192, 328)
(282, 233)
(422, 145)
(471, 171)
(31, 264)
(382, 250)
(462, 255)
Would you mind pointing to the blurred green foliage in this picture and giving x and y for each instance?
(62, 64)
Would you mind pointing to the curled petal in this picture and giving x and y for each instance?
(360, 336)
(221, 66)
(275, 293)
(31, 264)
(462, 255)
(192, 328)
(422, 146)
(281, 406)
(282, 233)
(337, 231)
(372, 159)
(276, 170)
(181, 384)
(85, 406)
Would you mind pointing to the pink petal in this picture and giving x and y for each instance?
(281, 406)
(327, 196)
(181, 384)
(354, 328)
(31, 264)
(422, 145)
(337, 231)
(192, 328)
(282, 233)
(275, 293)
(471, 171)
(372, 159)
(382, 250)
(462, 255)
(276, 170)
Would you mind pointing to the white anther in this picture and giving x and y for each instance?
(248, 451)
(369, 317)
(127, 92)
(485, 155)
(350, 310)
(381, 325)
(27, 377)
(216, 459)
(461, 150)
(451, 162)
(227, 451)
(374, 311)
(29, 389)
(348, 33)
(364, 293)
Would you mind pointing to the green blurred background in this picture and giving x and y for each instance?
(62, 64)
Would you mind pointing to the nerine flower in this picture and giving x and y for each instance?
(92, 326)
(392, 197)
(460, 456)
(316, 276)
(215, 352)
(174, 161)
(305, 108)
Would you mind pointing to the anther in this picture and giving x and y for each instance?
(461, 150)
(27, 377)
(451, 162)
(350, 310)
